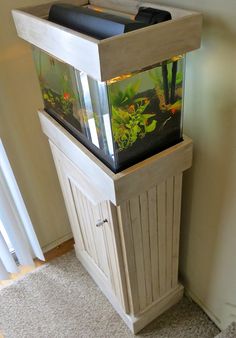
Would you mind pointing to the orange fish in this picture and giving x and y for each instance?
(66, 96)
(175, 107)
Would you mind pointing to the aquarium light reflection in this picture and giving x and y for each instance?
(120, 78)
(93, 132)
(107, 125)
(110, 11)
(128, 75)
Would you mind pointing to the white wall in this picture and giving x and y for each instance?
(208, 235)
(20, 132)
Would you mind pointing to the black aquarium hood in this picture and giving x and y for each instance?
(102, 25)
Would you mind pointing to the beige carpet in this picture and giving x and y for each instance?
(61, 300)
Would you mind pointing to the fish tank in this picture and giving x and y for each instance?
(123, 120)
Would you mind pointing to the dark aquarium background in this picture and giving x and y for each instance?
(123, 120)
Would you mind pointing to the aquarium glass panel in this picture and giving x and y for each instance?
(77, 101)
(58, 85)
(146, 110)
(123, 120)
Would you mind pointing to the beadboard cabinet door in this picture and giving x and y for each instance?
(94, 224)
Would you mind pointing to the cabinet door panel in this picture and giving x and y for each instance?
(89, 215)
(94, 225)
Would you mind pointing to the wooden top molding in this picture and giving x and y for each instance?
(124, 185)
(108, 58)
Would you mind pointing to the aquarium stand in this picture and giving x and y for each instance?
(125, 225)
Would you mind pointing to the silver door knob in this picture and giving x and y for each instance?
(101, 222)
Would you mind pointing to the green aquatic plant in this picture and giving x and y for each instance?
(63, 101)
(124, 98)
(129, 120)
(49, 97)
(131, 124)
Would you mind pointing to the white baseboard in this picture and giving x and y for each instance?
(57, 242)
(209, 313)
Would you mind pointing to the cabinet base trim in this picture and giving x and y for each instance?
(157, 308)
(138, 322)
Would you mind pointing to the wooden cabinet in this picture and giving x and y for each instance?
(125, 225)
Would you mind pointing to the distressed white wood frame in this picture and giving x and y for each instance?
(111, 57)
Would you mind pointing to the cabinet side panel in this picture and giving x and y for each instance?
(128, 256)
(176, 227)
(135, 217)
(154, 254)
(169, 230)
(162, 240)
(143, 200)
(150, 230)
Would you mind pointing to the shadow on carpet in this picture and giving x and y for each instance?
(61, 300)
